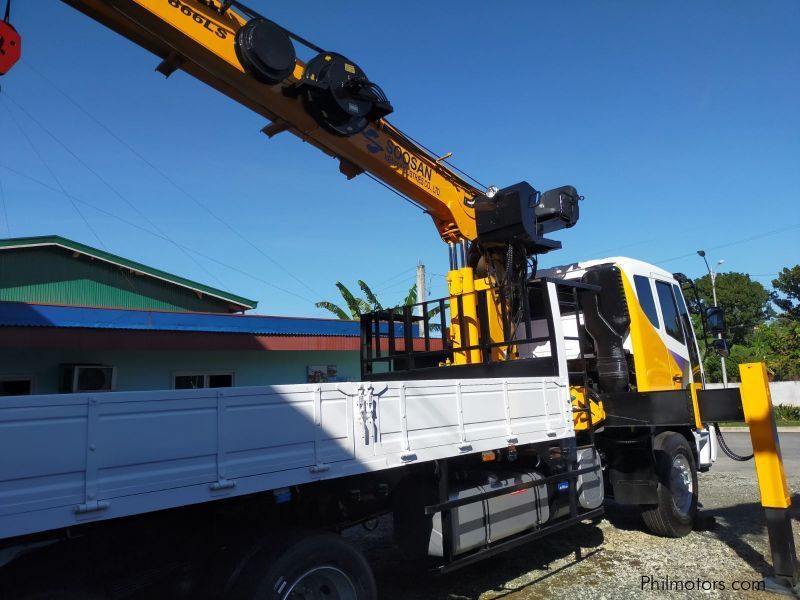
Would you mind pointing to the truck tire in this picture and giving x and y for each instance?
(305, 566)
(674, 514)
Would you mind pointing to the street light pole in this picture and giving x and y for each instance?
(713, 277)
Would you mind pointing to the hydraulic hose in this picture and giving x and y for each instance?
(726, 449)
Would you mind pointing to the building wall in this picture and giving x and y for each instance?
(139, 370)
(53, 276)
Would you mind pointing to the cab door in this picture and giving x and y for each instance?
(673, 334)
(652, 358)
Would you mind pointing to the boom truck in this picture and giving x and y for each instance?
(506, 411)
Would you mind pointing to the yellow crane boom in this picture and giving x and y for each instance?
(330, 103)
(200, 38)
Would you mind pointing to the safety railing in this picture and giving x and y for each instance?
(512, 332)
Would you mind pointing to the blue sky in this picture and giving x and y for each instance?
(678, 122)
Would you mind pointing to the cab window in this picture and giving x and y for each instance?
(645, 294)
(694, 358)
(679, 297)
(669, 310)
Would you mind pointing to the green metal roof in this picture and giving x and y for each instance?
(162, 277)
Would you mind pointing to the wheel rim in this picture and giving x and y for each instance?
(681, 484)
(325, 582)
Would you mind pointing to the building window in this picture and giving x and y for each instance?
(196, 381)
(322, 374)
(86, 378)
(16, 386)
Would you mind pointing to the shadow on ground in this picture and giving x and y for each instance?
(533, 564)
(732, 525)
(398, 579)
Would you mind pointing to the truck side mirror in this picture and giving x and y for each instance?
(715, 317)
(721, 347)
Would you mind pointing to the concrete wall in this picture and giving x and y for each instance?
(154, 369)
(783, 392)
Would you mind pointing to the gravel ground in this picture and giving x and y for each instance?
(608, 560)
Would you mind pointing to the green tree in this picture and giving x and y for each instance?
(788, 284)
(746, 303)
(778, 345)
(747, 308)
(355, 306)
(739, 354)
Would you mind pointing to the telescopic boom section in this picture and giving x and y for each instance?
(328, 102)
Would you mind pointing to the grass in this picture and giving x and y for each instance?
(785, 412)
(785, 416)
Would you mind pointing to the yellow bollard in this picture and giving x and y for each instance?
(757, 404)
(775, 499)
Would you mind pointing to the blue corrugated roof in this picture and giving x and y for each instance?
(18, 314)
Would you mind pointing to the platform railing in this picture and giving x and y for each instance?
(404, 341)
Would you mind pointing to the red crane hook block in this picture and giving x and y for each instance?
(10, 47)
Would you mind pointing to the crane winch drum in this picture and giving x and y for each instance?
(337, 93)
(265, 51)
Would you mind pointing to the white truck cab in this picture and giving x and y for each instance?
(661, 339)
(659, 347)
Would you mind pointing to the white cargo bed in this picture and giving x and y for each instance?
(72, 458)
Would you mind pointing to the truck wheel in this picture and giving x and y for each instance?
(312, 566)
(674, 514)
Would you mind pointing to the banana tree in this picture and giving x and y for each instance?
(356, 306)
